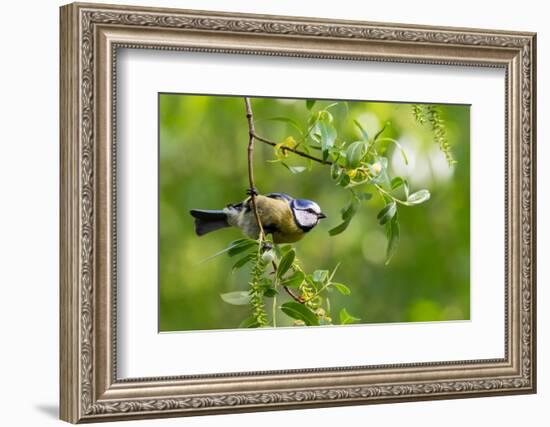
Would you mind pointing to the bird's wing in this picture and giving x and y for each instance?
(246, 203)
(280, 196)
(237, 206)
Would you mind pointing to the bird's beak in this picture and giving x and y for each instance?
(321, 215)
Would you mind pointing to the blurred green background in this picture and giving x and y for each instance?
(203, 164)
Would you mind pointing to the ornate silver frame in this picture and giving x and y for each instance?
(90, 36)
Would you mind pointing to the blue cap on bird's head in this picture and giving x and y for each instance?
(306, 213)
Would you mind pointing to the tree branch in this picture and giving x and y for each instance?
(292, 150)
(293, 295)
(252, 190)
(286, 288)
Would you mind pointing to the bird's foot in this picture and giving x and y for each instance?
(252, 191)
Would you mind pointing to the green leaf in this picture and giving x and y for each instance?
(344, 180)
(333, 272)
(392, 233)
(287, 121)
(270, 293)
(283, 249)
(387, 213)
(403, 152)
(231, 246)
(384, 176)
(406, 188)
(309, 162)
(285, 263)
(418, 197)
(313, 119)
(325, 116)
(265, 282)
(346, 318)
(320, 276)
(383, 161)
(364, 133)
(241, 247)
(295, 280)
(339, 228)
(310, 103)
(334, 104)
(294, 169)
(340, 287)
(347, 215)
(298, 311)
(354, 153)
(297, 169)
(240, 241)
(328, 135)
(399, 147)
(335, 171)
(249, 322)
(351, 210)
(236, 298)
(364, 196)
(379, 170)
(397, 182)
(381, 131)
(242, 262)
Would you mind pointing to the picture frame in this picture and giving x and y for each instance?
(91, 36)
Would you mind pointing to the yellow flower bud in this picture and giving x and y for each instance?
(289, 142)
(279, 152)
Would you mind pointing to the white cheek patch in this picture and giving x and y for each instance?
(305, 219)
(316, 207)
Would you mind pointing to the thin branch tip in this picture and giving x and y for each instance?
(292, 150)
(252, 187)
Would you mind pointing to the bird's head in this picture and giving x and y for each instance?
(306, 213)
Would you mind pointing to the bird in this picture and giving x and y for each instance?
(287, 219)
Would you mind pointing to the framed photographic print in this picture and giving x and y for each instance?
(265, 212)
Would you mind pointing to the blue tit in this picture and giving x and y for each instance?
(285, 218)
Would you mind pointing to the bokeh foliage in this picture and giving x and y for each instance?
(203, 163)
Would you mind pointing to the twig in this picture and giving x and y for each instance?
(255, 289)
(274, 311)
(253, 192)
(391, 196)
(293, 295)
(292, 150)
(286, 288)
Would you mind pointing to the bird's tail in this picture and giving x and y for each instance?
(207, 221)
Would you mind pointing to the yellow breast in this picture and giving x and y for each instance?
(276, 214)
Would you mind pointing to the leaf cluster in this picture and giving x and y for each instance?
(358, 166)
(303, 297)
(432, 115)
